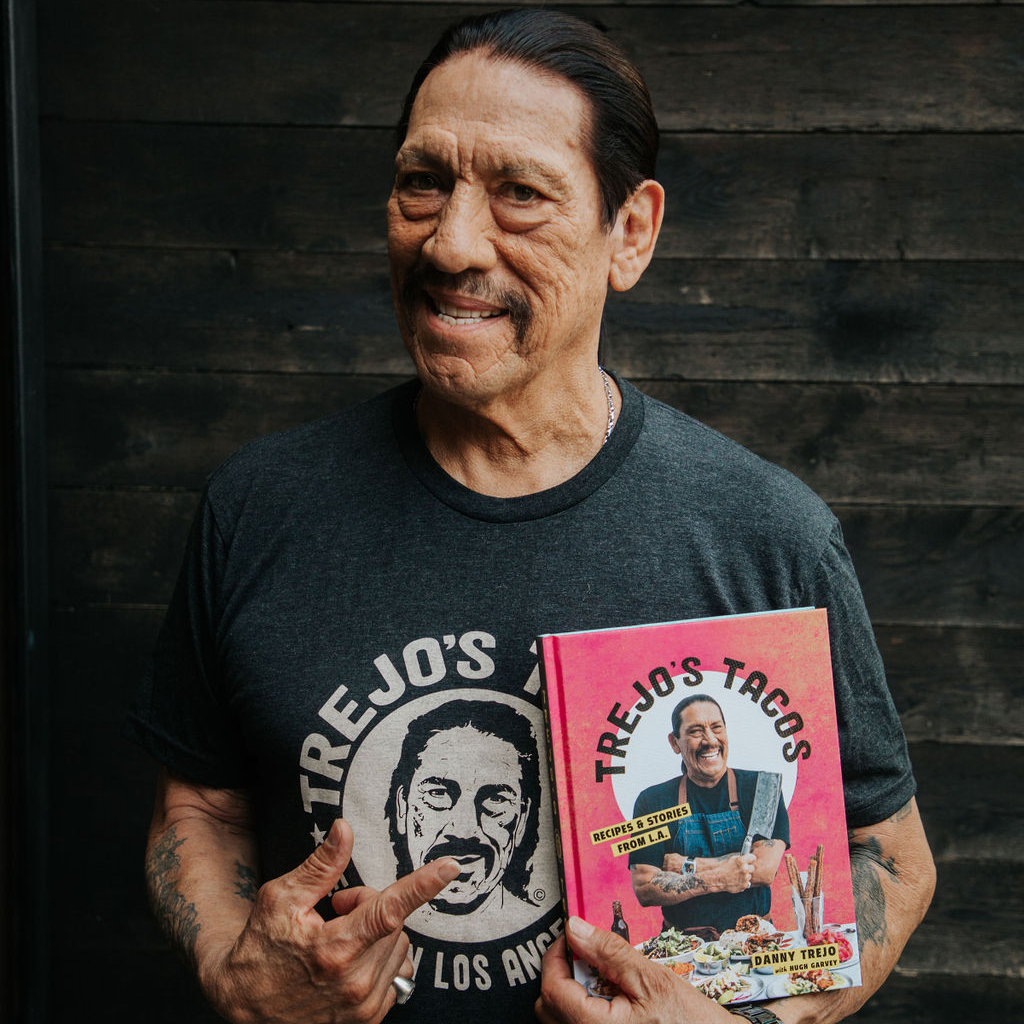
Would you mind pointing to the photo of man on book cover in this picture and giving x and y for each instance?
(701, 878)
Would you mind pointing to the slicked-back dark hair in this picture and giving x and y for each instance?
(622, 137)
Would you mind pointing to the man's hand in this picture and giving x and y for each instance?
(662, 887)
(289, 964)
(650, 994)
(730, 873)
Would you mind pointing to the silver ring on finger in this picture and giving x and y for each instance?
(404, 987)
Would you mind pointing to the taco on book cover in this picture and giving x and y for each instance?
(699, 799)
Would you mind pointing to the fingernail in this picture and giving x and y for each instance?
(449, 869)
(580, 927)
(333, 835)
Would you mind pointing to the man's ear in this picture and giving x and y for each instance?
(637, 227)
(401, 807)
(674, 743)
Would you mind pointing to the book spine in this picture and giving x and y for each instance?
(558, 769)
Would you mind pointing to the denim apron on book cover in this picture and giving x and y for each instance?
(715, 835)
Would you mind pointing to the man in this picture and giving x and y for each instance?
(467, 786)
(701, 877)
(413, 548)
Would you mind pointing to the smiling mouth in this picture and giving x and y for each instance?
(458, 317)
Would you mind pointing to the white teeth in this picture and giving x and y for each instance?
(453, 315)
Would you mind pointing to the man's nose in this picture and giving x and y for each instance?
(462, 239)
(462, 821)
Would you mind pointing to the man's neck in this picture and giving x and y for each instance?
(691, 781)
(522, 444)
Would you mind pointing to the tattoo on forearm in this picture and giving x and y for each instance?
(245, 882)
(867, 863)
(768, 843)
(667, 881)
(177, 917)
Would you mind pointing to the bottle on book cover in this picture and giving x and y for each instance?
(619, 926)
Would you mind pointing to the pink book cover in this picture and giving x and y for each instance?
(742, 707)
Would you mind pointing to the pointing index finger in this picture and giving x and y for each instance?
(386, 912)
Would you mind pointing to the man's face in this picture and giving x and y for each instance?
(499, 261)
(702, 742)
(465, 800)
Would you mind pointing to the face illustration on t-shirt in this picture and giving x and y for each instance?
(433, 764)
(467, 790)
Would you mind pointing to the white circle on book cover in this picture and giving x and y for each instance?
(369, 791)
(753, 742)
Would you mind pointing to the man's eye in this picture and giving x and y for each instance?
(438, 799)
(420, 181)
(497, 804)
(521, 193)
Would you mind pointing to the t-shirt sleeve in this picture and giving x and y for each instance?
(877, 775)
(653, 855)
(180, 714)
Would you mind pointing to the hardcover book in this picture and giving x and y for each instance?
(699, 800)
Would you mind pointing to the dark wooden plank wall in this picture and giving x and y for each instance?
(839, 286)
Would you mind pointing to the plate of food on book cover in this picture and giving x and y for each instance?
(729, 987)
(671, 944)
(682, 968)
(846, 944)
(799, 983)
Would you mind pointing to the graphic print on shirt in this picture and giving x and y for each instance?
(434, 765)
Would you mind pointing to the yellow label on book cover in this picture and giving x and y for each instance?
(641, 824)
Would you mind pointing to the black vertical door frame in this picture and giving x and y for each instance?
(24, 706)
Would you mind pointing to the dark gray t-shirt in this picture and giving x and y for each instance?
(341, 593)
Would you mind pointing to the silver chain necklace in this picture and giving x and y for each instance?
(611, 405)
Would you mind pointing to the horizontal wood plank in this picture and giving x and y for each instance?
(885, 322)
(99, 654)
(938, 566)
(979, 903)
(858, 443)
(110, 548)
(917, 566)
(955, 683)
(319, 189)
(970, 810)
(940, 444)
(210, 310)
(171, 429)
(893, 321)
(724, 68)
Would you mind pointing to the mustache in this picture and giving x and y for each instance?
(423, 275)
(462, 848)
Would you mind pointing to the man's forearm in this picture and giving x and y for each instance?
(200, 872)
(669, 885)
(893, 881)
(655, 887)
